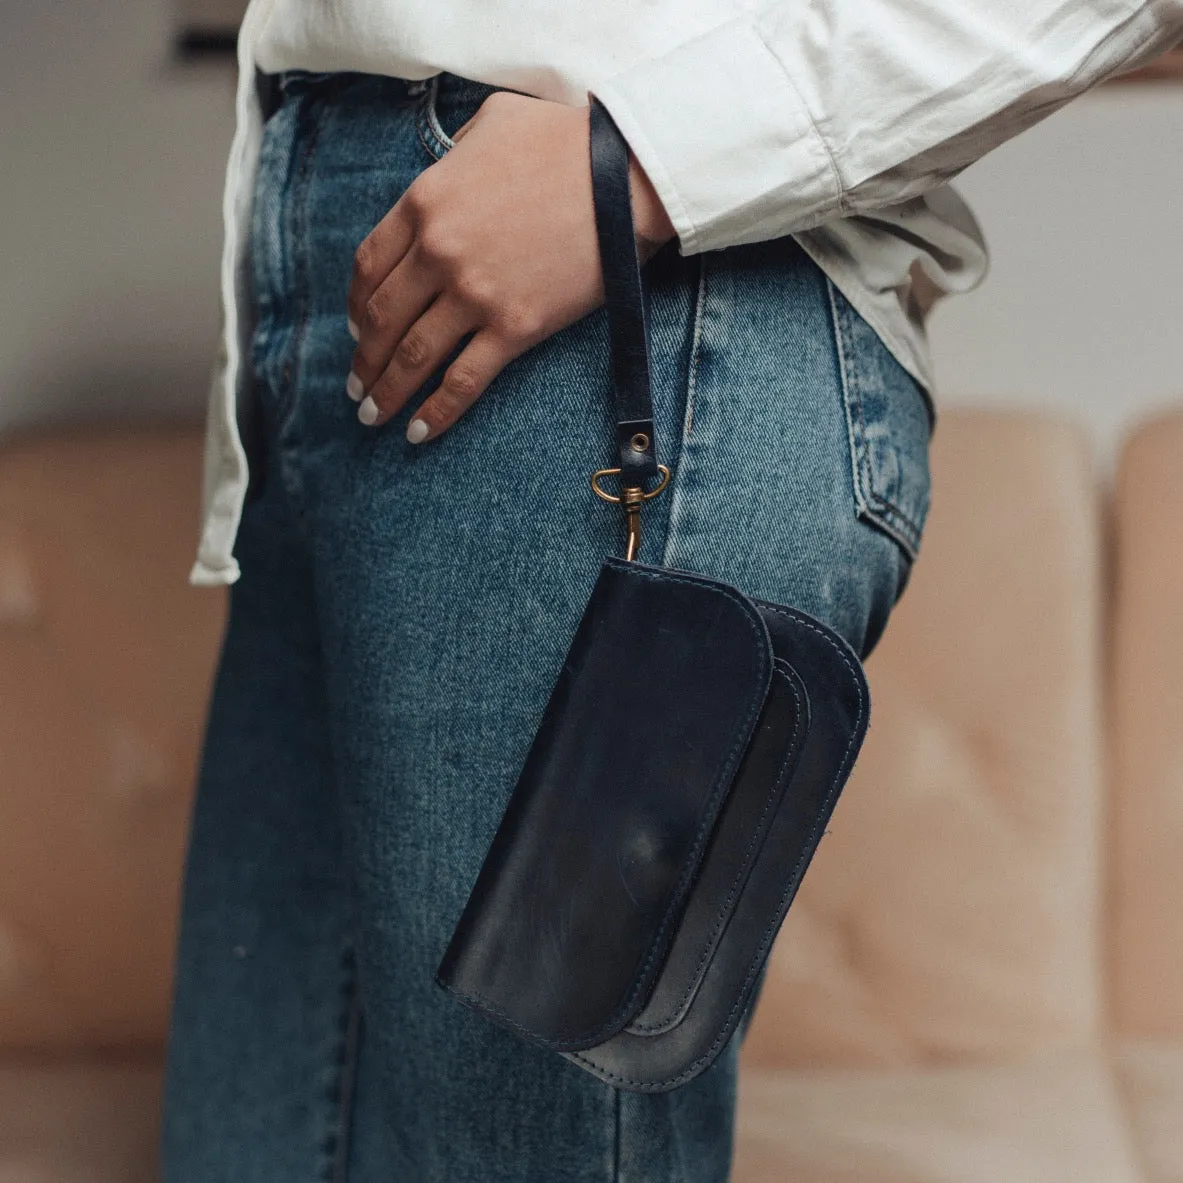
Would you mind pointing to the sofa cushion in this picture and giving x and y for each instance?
(1150, 1076)
(105, 664)
(952, 910)
(1147, 713)
(1055, 1120)
(79, 1123)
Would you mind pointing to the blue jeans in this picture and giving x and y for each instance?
(401, 616)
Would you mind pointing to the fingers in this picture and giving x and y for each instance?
(402, 298)
(379, 254)
(416, 356)
(467, 378)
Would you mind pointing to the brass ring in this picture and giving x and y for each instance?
(614, 498)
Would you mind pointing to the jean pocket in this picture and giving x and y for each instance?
(447, 103)
(889, 425)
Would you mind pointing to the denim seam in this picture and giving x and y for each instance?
(870, 502)
(723, 778)
(883, 508)
(771, 931)
(335, 1141)
(290, 372)
(885, 513)
(695, 349)
(726, 908)
(678, 466)
(297, 227)
(616, 1134)
(431, 132)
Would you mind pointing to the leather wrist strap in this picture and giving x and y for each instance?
(624, 296)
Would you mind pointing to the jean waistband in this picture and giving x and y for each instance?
(449, 88)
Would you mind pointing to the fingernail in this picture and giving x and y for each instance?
(368, 412)
(354, 331)
(354, 388)
(417, 431)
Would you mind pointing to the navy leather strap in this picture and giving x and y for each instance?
(624, 296)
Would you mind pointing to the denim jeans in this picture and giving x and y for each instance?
(402, 614)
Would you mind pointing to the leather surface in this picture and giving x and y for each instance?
(624, 296)
(743, 825)
(574, 907)
(839, 706)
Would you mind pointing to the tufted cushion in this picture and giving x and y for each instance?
(953, 908)
(105, 663)
(1054, 1119)
(1147, 944)
(79, 1123)
(1150, 1073)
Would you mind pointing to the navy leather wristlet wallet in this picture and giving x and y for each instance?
(684, 770)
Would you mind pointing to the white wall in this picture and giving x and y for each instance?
(111, 164)
(110, 222)
(1083, 310)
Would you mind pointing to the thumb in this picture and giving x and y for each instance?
(462, 130)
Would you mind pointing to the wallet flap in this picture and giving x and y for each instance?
(668, 1054)
(580, 893)
(739, 834)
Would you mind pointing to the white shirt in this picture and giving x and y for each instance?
(836, 121)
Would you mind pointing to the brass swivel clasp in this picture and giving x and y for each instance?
(631, 497)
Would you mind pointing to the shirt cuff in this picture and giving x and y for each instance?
(724, 137)
(202, 574)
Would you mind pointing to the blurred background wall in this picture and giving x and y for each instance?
(1081, 313)
(113, 157)
(111, 182)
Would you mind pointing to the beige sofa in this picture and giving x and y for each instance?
(982, 978)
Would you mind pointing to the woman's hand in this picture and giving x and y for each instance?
(497, 239)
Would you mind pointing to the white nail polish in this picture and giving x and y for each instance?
(354, 331)
(417, 431)
(368, 412)
(354, 388)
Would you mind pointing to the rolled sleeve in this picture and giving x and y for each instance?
(726, 140)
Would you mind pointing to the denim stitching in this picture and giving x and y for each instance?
(873, 491)
(885, 507)
(298, 228)
(616, 1135)
(696, 335)
(290, 371)
(725, 909)
(771, 931)
(869, 501)
(431, 132)
(433, 118)
(350, 1053)
(335, 1142)
(695, 348)
(844, 378)
(722, 779)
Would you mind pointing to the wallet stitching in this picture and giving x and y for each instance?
(770, 931)
(752, 618)
(725, 908)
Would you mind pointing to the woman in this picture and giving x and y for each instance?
(413, 392)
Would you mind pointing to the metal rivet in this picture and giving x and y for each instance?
(640, 442)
